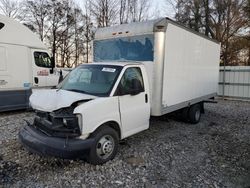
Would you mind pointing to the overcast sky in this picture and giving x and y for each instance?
(163, 7)
(158, 6)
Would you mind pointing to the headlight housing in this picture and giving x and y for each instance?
(79, 117)
(60, 123)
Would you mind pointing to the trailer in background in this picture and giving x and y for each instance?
(24, 64)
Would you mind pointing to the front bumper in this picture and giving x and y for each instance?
(42, 144)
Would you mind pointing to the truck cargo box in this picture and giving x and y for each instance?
(184, 68)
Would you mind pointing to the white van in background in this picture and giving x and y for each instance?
(24, 64)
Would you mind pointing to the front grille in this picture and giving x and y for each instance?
(52, 124)
(42, 114)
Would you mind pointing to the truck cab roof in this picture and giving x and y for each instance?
(15, 33)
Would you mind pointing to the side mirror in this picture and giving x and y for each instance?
(136, 87)
(60, 77)
(53, 64)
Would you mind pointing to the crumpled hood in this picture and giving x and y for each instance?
(49, 100)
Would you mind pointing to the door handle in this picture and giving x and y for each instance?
(146, 98)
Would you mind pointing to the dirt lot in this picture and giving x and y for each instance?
(213, 153)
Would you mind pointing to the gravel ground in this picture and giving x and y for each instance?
(213, 153)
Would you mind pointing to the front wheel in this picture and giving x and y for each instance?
(105, 146)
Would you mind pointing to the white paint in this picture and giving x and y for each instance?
(119, 109)
(191, 66)
(157, 73)
(98, 112)
(17, 34)
(49, 100)
(108, 69)
(3, 62)
(135, 28)
(185, 68)
(135, 112)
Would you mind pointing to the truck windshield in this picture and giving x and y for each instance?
(133, 48)
(95, 80)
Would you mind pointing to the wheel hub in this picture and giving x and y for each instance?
(105, 147)
(197, 115)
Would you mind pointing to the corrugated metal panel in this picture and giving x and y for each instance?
(237, 82)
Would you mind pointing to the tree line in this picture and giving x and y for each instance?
(68, 28)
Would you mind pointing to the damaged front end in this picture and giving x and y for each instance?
(56, 134)
(60, 123)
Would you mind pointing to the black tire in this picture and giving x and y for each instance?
(194, 113)
(185, 114)
(106, 139)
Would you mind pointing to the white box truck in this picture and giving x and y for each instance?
(140, 70)
(24, 63)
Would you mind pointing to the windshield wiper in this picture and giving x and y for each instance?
(76, 90)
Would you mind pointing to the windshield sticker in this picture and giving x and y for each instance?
(108, 69)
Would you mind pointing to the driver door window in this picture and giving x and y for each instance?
(42, 59)
(129, 78)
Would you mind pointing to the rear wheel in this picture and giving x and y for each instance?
(185, 114)
(194, 113)
(105, 146)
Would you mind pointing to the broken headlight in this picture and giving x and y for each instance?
(61, 123)
(79, 118)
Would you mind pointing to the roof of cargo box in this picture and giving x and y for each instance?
(13, 32)
(140, 28)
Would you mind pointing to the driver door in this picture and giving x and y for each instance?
(41, 68)
(134, 104)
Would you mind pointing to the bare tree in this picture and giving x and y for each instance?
(123, 11)
(227, 22)
(37, 16)
(190, 13)
(58, 19)
(172, 4)
(138, 10)
(12, 8)
(59, 24)
(247, 37)
(78, 30)
(104, 12)
(88, 31)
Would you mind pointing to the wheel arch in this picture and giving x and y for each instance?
(112, 124)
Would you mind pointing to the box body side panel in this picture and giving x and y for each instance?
(191, 66)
